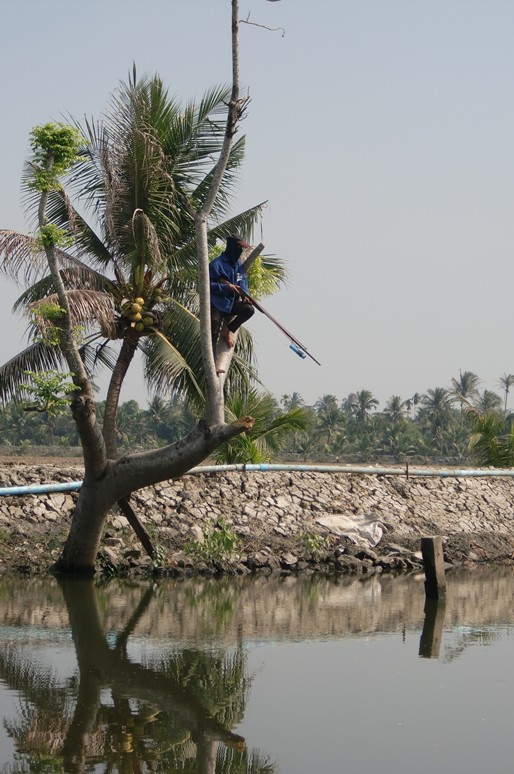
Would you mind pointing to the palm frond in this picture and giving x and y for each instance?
(298, 420)
(271, 427)
(245, 223)
(87, 244)
(221, 204)
(87, 307)
(491, 443)
(196, 137)
(36, 357)
(165, 364)
(80, 277)
(170, 371)
(23, 260)
(94, 354)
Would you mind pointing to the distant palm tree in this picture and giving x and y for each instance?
(437, 406)
(292, 401)
(506, 381)
(366, 403)
(488, 402)
(349, 405)
(412, 403)
(395, 409)
(465, 388)
(329, 418)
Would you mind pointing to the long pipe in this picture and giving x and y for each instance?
(368, 470)
(71, 486)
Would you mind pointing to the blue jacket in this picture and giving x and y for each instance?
(221, 295)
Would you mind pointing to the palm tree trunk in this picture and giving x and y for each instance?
(127, 352)
(206, 753)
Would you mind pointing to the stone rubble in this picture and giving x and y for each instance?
(286, 521)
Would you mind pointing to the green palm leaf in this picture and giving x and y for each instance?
(492, 441)
(271, 427)
(36, 357)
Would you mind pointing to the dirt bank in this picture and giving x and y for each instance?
(285, 522)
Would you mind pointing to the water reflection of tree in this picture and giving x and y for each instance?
(172, 715)
(40, 735)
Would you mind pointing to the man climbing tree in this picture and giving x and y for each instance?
(230, 305)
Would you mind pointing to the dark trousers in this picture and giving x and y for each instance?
(241, 313)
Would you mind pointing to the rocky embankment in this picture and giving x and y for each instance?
(269, 521)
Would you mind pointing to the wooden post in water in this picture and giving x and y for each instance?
(433, 563)
(432, 634)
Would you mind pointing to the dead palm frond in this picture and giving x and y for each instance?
(23, 259)
(87, 308)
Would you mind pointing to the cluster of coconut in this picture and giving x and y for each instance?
(136, 310)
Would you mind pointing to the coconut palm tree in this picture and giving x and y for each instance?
(329, 420)
(292, 401)
(436, 408)
(349, 405)
(464, 389)
(130, 277)
(488, 402)
(395, 409)
(366, 403)
(506, 382)
(412, 403)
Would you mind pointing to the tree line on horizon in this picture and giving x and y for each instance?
(445, 425)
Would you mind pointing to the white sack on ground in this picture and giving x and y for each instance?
(362, 528)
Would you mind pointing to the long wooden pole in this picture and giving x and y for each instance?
(303, 349)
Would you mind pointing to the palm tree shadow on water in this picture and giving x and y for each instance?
(173, 715)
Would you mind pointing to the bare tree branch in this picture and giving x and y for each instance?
(263, 26)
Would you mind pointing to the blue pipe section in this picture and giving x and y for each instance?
(71, 486)
(367, 470)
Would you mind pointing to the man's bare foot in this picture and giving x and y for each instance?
(228, 336)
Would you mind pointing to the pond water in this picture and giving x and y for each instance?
(287, 675)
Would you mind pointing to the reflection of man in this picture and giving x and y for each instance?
(228, 287)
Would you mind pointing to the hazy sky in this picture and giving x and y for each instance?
(380, 131)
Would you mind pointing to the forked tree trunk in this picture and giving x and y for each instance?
(118, 478)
